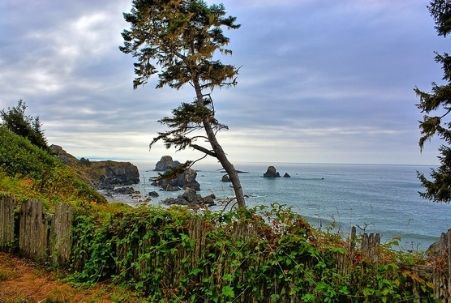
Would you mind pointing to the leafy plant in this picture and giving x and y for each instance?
(260, 254)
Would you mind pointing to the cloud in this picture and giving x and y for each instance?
(320, 81)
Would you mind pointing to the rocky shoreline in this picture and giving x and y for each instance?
(184, 181)
(119, 181)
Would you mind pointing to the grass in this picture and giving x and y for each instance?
(28, 172)
(6, 274)
(22, 281)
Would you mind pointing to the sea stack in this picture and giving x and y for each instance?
(271, 172)
(166, 163)
(181, 180)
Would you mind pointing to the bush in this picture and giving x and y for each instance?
(174, 255)
(25, 126)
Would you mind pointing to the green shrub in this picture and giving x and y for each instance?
(173, 255)
(25, 126)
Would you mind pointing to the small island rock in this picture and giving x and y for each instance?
(153, 194)
(271, 172)
(182, 180)
(166, 163)
(225, 178)
(124, 190)
(286, 175)
(191, 199)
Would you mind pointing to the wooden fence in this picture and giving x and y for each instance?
(47, 238)
(42, 237)
(441, 268)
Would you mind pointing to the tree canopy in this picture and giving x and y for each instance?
(179, 41)
(29, 127)
(436, 106)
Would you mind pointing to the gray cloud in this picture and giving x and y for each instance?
(331, 79)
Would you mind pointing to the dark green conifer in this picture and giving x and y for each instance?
(179, 41)
(436, 106)
(29, 127)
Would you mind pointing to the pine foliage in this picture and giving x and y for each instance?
(179, 41)
(436, 106)
(29, 127)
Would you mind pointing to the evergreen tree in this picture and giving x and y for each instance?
(179, 40)
(437, 105)
(29, 127)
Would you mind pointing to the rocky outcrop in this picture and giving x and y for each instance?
(153, 194)
(64, 156)
(189, 179)
(166, 163)
(107, 174)
(184, 180)
(101, 174)
(286, 175)
(124, 190)
(191, 199)
(271, 172)
(225, 178)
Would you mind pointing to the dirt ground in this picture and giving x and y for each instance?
(22, 282)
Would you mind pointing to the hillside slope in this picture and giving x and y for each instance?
(28, 172)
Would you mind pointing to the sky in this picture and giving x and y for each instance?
(320, 81)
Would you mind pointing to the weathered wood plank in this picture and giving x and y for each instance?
(33, 231)
(441, 277)
(61, 235)
(7, 205)
(369, 245)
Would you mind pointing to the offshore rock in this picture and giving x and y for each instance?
(225, 178)
(190, 195)
(124, 190)
(192, 199)
(166, 163)
(153, 194)
(286, 175)
(271, 172)
(106, 174)
(184, 180)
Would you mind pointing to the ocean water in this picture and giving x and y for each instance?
(379, 198)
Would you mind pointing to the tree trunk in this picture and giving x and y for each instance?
(220, 154)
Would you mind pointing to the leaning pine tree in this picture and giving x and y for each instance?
(178, 41)
(437, 106)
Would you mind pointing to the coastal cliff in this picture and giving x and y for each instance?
(101, 174)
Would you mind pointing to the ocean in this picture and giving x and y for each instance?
(377, 198)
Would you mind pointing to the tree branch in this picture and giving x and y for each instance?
(445, 114)
(204, 150)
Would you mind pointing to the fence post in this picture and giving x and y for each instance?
(441, 277)
(449, 265)
(7, 205)
(369, 245)
(33, 231)
(61, 235)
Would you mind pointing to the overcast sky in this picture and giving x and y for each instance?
(320, 81)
